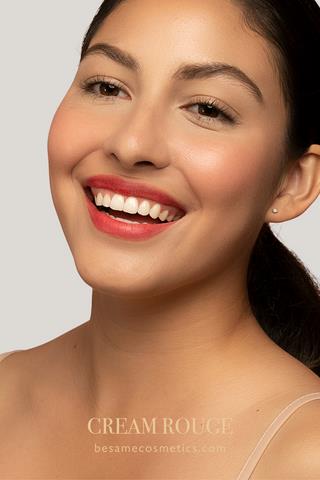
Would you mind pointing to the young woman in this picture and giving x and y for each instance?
(188, 128)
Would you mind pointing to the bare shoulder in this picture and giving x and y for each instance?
(294, 450)
(303, 440)
(23, 370)
(9, 370)
(304, 444)
(32, 382)
(27, 373)
(41, 356)
(16, 377)
(14, 394)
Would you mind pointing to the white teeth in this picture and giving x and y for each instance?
(106, 200)
(163, 215)
(155, 211)
(123, 219)
(117, 202)
(133, 205)
(144, 208)
(99, 199)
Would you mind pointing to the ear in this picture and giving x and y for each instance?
(299, 188)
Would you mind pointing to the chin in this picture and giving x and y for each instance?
(127, 282)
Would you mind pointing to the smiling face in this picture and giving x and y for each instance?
(223, 166)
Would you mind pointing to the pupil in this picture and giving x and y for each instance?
(104, 88)
(212, 110)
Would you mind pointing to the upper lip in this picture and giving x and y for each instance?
(135, 189)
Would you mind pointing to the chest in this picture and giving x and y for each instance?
(62, 445)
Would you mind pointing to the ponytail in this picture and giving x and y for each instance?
(285, 298)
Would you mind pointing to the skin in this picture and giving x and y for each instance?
(171, 330)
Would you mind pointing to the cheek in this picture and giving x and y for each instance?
(71, 138)
(235, 174)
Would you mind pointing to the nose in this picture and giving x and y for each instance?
(139, 139)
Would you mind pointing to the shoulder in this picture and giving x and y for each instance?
(303, 440)
(19, 378)
(40, 358)
(3, 355)
(14, 391)
(26, 376)
(12, 373)
(294, 450)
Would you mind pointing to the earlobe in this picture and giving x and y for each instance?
(299, 189)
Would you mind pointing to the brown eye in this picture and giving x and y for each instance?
(102, 88)
(210, 110)
(107, 89)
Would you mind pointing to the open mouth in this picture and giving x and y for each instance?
(118, 214)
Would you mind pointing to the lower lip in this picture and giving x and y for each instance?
(130, 231)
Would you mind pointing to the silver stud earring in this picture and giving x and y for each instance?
(274, 210)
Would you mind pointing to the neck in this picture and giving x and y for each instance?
(145, 347)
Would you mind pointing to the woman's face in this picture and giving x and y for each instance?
(152, 130)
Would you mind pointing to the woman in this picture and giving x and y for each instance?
(199, 122)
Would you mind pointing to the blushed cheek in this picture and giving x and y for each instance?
(230, 177)
(70, 139)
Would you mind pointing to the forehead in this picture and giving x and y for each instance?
(163, 35)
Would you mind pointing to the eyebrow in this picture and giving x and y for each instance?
(185, 72)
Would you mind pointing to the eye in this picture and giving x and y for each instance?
(99, 87)
(211, 110)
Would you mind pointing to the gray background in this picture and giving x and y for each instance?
(42, 294)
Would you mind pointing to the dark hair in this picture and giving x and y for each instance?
(284, 295)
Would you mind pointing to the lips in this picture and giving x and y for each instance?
(128, 231)
(136, 189)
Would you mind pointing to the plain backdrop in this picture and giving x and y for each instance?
(42, 294)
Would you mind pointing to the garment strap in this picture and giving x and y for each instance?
(269, 433)
(5, 354)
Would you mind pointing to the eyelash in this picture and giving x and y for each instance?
(227, 116)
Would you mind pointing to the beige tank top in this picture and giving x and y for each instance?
(272, 429)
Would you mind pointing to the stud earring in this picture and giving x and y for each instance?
(274, 210)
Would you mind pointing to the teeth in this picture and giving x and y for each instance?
(117, 202)
(123, 219)
(134, 205)
(155, 211)
(163, 215)
(131, 205)
(106, 200)
(99, 199)
(144, 208)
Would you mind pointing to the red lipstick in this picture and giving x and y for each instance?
(115, 227)
(130, 231)
(136, 189)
